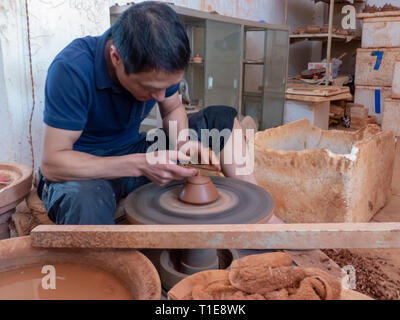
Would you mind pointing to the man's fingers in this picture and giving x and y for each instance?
(178, 156)
(182, 172)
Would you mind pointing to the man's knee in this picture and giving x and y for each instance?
(81, 202)
(215, 119)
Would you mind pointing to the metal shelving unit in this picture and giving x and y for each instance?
(329, 37)
(219, 80)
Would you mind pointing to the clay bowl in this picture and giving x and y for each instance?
(131, 270)
(12, 192)
(199, 190)
(299, 30)
(20, 184)
(197, 59)
(183, 289)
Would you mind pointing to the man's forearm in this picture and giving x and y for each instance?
(74, 165)
(180, 116)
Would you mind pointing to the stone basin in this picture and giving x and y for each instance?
(80, 273)
(318, 176)
(13, 191)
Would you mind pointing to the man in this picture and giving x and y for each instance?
(98, 91)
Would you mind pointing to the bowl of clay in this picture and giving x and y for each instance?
(79, 274)
(15, 184)
(183, 290)
(299, 30)
(197, 59)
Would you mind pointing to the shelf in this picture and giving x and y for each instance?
(322, 37)
(338, 1)
(253, 62)
(252, 94)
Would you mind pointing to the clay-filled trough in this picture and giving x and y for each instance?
(317, 176)
(15, 184)
(90, 274)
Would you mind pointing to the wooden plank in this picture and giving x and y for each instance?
(378, 14)
(342, 96)
(321, 91)
(239, 236)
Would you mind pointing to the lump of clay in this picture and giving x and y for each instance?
(260, 273)
(334, 284)
(272, 259)
(269, 275)
(221, 290)
(262, 279)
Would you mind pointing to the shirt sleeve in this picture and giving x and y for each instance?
(66, 98)
(171, 90)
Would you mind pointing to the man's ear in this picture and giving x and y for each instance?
(115, 58)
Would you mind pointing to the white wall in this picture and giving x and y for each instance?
(54, 23)
(381, 3)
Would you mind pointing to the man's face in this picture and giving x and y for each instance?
(145, 85)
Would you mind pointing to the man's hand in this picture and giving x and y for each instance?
(199, 154)
(166, 170)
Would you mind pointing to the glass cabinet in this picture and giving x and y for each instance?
(221, 71)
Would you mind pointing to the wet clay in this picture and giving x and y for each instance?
(72, 282)
(263, 279)
(269, 274)
(199, 190)
(222, 290)
(271, 259)
(260, 277)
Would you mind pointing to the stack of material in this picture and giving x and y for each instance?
(267, 276)
(37, 208)
(391, 122)
(376, 60)
(336, 114)
(391, 118)
(22, 221)
(359, 116)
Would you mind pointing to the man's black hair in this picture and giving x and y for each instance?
(151, 36)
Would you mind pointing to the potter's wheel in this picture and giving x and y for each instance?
(239, 202)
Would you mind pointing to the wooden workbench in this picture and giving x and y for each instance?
(305, 101)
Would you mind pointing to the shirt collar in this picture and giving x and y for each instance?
(103, 79)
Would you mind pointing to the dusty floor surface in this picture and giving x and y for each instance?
(377, 270)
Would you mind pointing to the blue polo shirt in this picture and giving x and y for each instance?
(80, 95)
